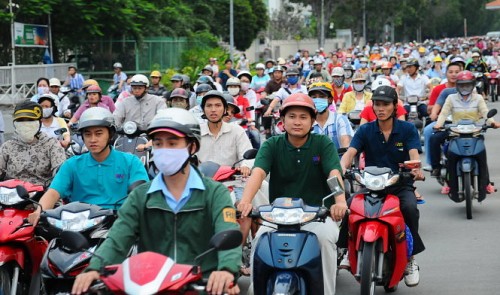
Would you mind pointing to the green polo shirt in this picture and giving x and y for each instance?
(298, 172)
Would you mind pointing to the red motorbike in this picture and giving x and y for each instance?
(377, 240)
(152, 273)
(20, 250)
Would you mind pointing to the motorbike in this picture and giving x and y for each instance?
(288, 260)
(354, 118)
(377, 240)
(129, 137)
(414, 118)
(77, 146)
(480, 87)
(493, 81)
(465, 140)
(74, 99)
(152, 273)
(21, 250)
(113, 92)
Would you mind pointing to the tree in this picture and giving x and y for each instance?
(288, 23)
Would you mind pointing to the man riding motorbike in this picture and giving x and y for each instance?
(414, 84)
(156, 88)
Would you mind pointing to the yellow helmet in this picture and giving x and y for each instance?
(421, 49)
(155, 74)
(89, 82)
(321, 86)
(437, 59)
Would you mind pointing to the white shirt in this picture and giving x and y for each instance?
(227, 147)
(282, 94)
(415, 86)
(49, 130)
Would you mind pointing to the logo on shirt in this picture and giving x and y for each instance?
(399, 144)
(229, 215)
(316, 159)
(119, 176)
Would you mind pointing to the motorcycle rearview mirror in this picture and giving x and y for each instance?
(60, 131)
(224, 240)
(491, 113)
(250, 154)
(335, 188)
(22, 192)
(251, 108)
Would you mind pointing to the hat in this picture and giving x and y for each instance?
(385, 93)
(27, 110)
(475, 54)
(54, 82)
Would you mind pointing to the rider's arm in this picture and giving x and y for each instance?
(347, 158)
(119, 114)
(49, 199)
(136, 170)
(57, 157)
(445, 112)
(253, 185)
(243, 145)
(483, 110)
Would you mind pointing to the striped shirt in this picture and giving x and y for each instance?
(473, 108)
(335, 127)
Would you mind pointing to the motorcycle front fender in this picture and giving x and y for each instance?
(372, 231)
(10, 254)
(466, 165)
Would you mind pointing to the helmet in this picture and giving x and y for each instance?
(298, 100)
(260, 66)
(318, 61)
(292, 71)
(437, 58)
(94, 89)
(358, 76)
(404, 59)
(348, 66)
(208, 68)
(421, 50)
(230, 101)
(233, 81)
(139, 80)
(324, 87)
(54, 82)
(89, 82)
(475, 49)
(338, 71)
(379, 82)
(465, 46)
(216, 94)
(176, 121)
(363, 59)
(27, 110)
(270, 60)
(465, 77)
(204, 80)
(278, 68)
(155, 74)
(176, 77)
(458, 58)
(387, 65)
(245, 73)
(96, 116)
(203, 88)
(476, 54)
(436, 48)
(412, 62)
(48, 96)
(186, 80)
(385, 93)
(281, 61)
(178, 92)
(117, 65)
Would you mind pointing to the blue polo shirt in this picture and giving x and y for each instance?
(444, 94)
(194, 182)
(378, 152)
(81, 178)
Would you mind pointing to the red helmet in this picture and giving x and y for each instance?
(94, 89)
(387, 65)
(465, 77)
(298, 100)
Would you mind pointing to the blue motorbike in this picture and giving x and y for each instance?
(288, 260)
(465, 141)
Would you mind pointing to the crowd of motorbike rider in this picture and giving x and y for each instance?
(230, 110)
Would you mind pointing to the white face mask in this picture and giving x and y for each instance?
(245, 86)
(26, 130)
(47, 113)
(170, 161)
(358, 87)
(233, 90)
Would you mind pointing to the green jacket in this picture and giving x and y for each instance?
(147, 219)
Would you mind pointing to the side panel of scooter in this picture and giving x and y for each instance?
(10, 253)
(63, 261)
(298, 252)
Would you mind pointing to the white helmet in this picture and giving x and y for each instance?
(139, 80)
(260, 66)
(233, 81)
(379, 82)
(338, 71)
(117, 65)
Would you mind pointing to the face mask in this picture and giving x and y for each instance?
(179, 104)
(47, 113)
(245, 86)
(199, 99)
(292, 80)
(26, 130)
(364, 65)
(43, 90)
(348, 74)
(443, 56)
(338, 81)
(321, 104)
(358, 87)
(465, 90)
(233, 90)
(170, 161)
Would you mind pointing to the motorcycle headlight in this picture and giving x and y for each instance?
(465, 129)
(379, 182)
(75, 221)
(9, 196)
(412, 99)
(129, 127)
(285, 216)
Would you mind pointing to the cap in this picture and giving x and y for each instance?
(385, 93)
(475, 54)
(54, 82)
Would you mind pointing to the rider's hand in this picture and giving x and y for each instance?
(34, 217)
(495, 125)
(267, 113)
(338, 210)
(417, 174)
(433, 117)
(244, 170)
(140, 147)
(222, 281)
(245, 208)
(436, 127)
(83, 282)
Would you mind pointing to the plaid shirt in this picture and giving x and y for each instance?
(335, 127)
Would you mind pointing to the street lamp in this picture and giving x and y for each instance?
(12, 7)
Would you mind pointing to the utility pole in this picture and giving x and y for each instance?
(231, 29)
(322, 30)
(13, 50)
(364, 22)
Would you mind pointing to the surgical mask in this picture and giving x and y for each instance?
(321, 104)
(245, 86)
(358, 87)
(338, 81)
(199, 98)
(47, 113)
(292, 80)
(170, 161)
(26, 130)
(43, 90)
(364, 65)
(465, 90)
(233, 90)
(179, 104)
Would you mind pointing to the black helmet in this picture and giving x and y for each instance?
(413, 62)
(28, 110)
(213, 93)
(385, 93)
(176, 77)
(203, 88)
(230, 101)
